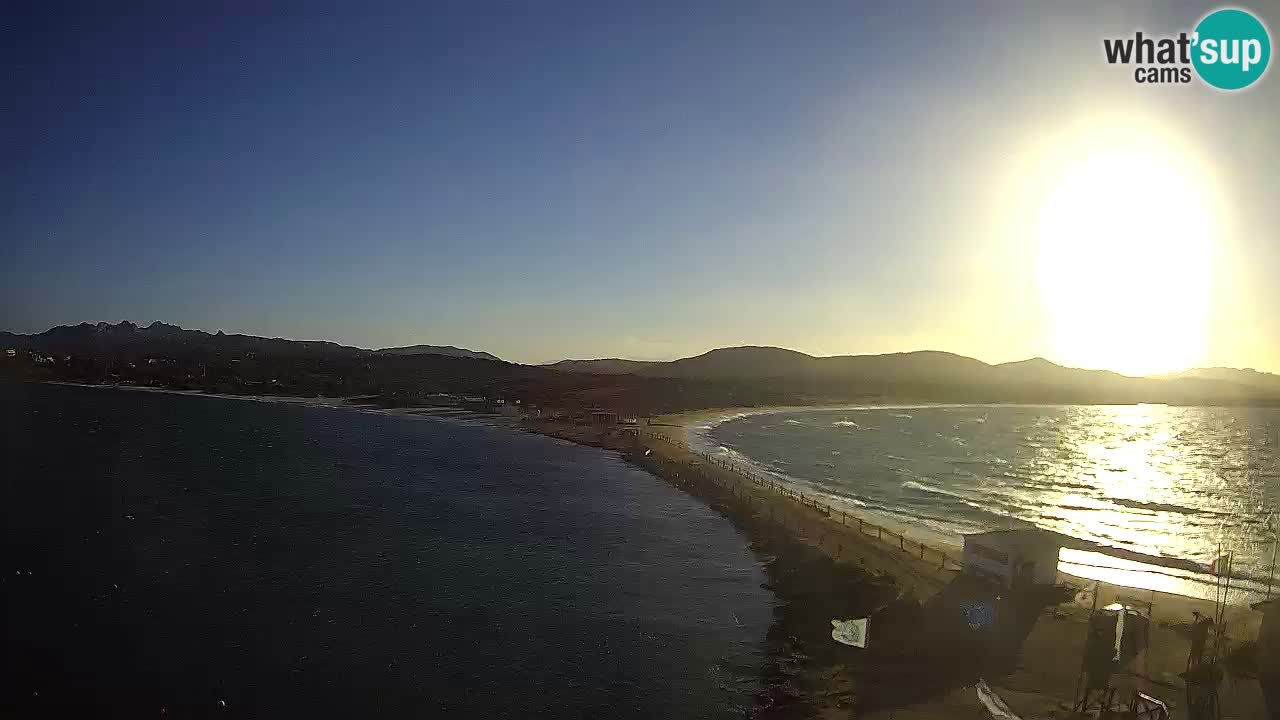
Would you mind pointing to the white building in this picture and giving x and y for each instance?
(1014, 557)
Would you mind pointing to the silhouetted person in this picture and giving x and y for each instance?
(1199, 636)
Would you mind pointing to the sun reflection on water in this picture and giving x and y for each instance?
(1172, 482)
(1164, 481)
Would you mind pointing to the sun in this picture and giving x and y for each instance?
(1125, 266)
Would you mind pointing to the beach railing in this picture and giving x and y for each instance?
(885, 535)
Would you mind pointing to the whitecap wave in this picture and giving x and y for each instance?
(957, 480)
(924, 487)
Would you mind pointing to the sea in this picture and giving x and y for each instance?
(1193, 483)
(180, 556)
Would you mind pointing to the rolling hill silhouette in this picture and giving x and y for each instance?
(942, 375)
(723, 377)
(162, 338)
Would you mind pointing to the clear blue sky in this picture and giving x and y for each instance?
(548, 180)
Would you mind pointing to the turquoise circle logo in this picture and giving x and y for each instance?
(1232, 49)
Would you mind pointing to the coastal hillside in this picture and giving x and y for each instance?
(943, 376)
(756, 362)
(170, 356)
(446, 350)
(159, 337)
(606, 366)
(1252, 378)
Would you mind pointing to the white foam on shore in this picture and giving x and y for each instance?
(457, 416)
(736, 414)
(1082, 564)
(916, 529)
(925, 487)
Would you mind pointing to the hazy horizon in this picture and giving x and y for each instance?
(644, 183)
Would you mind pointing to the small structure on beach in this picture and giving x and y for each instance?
(604, 417)
(1014, 558)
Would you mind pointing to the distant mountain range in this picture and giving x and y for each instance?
(609, 366)
(446, 350)
(162, 338)
(932, 372)
(723, 377)
(1254, 378)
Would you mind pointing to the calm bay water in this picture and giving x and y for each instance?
(174, 552)
(1160, 480)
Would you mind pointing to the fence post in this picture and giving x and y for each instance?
(880, 533)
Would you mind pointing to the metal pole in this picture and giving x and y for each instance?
(1271, 575)
(1222, 612)
(1081, 702)
(1217, 583)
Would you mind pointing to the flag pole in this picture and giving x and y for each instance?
(1217, 584)
(1222, 613)
(1271, 575)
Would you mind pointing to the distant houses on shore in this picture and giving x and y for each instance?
(601, 417)
(32, 356)
(241, 375)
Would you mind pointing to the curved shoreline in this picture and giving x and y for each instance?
(1092, 561)
(822, 568)
(683, 426)
(715, 418)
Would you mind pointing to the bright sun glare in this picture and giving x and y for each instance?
(1125, 260)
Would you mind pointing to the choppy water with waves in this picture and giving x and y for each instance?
(1168, 481)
